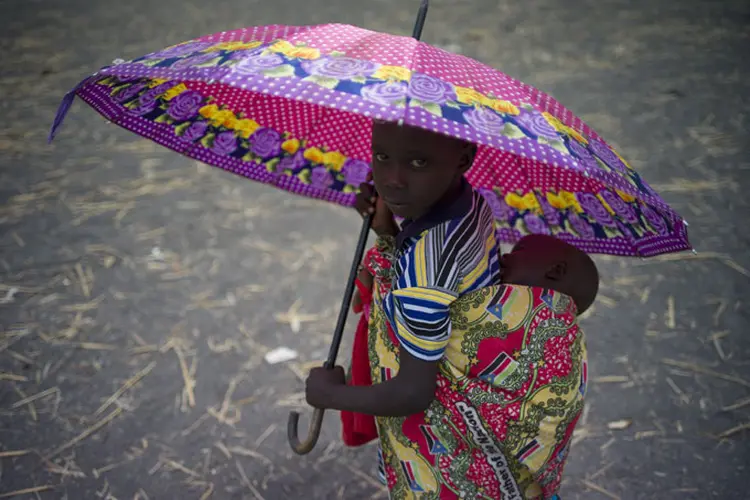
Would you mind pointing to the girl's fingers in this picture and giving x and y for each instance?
(366, 190)
(362, 203)
(383, 208)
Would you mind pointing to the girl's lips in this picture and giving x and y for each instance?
(395, 203)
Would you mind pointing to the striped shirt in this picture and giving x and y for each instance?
(447, 253)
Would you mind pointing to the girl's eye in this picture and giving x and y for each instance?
(381, 157)
(419, 163)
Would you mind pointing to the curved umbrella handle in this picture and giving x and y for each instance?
(306, 446)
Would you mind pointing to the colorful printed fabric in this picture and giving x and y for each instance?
(432, 270)
(377, 262)
(509, 393)
(293, 107)
(357, 428)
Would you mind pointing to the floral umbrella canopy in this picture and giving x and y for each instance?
(292, 106)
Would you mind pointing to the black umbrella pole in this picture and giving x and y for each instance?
(359, 253)
(306, 446)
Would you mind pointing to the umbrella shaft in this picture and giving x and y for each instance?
(349, 292)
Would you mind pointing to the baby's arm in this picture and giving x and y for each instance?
(367, 280)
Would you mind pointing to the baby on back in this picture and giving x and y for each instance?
(519, 389)
(544, 261)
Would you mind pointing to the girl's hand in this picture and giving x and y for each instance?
(321, 385)
(368, 203)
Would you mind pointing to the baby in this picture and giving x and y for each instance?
(544, 261)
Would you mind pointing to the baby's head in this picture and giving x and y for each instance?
(545, 261)
(413, 169)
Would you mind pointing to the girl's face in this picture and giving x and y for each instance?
(413, 168)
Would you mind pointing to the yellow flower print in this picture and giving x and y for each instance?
(282, 46)
(334, 160)
(623, 160)
(606, 205)
(231, 122)
(556, 201)
(392, 73)
(220, 117)
(156, 82)
(525, 202)
(564, 129)
(470, 96)
(504, 107)
(530, 202)
(625, 196)
(293, 51)
(571, 201)
(291, 146)
(303, 53)
(246, 127)
(575, 135)
(559, 126)
(208, 110)
(564, 200)
(234, 46)
(315, 155)
(174, 91)
(515, 201)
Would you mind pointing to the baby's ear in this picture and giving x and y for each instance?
(557, 271)
(467, 158)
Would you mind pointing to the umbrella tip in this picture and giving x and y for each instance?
(421, 16)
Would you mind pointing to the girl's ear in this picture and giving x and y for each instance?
(557, 271)
(467, 158)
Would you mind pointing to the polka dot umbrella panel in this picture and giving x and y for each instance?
(292, 106)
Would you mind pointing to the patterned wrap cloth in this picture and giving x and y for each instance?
(510, 390)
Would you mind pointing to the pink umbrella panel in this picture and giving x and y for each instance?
(293, 107)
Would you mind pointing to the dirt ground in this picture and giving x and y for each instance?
(139, 291)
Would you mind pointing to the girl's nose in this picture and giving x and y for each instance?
(395, 177)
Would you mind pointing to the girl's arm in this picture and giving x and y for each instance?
(409, 392)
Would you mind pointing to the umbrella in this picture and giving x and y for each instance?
(292, 106)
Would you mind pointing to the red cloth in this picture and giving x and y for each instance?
(357, 428)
